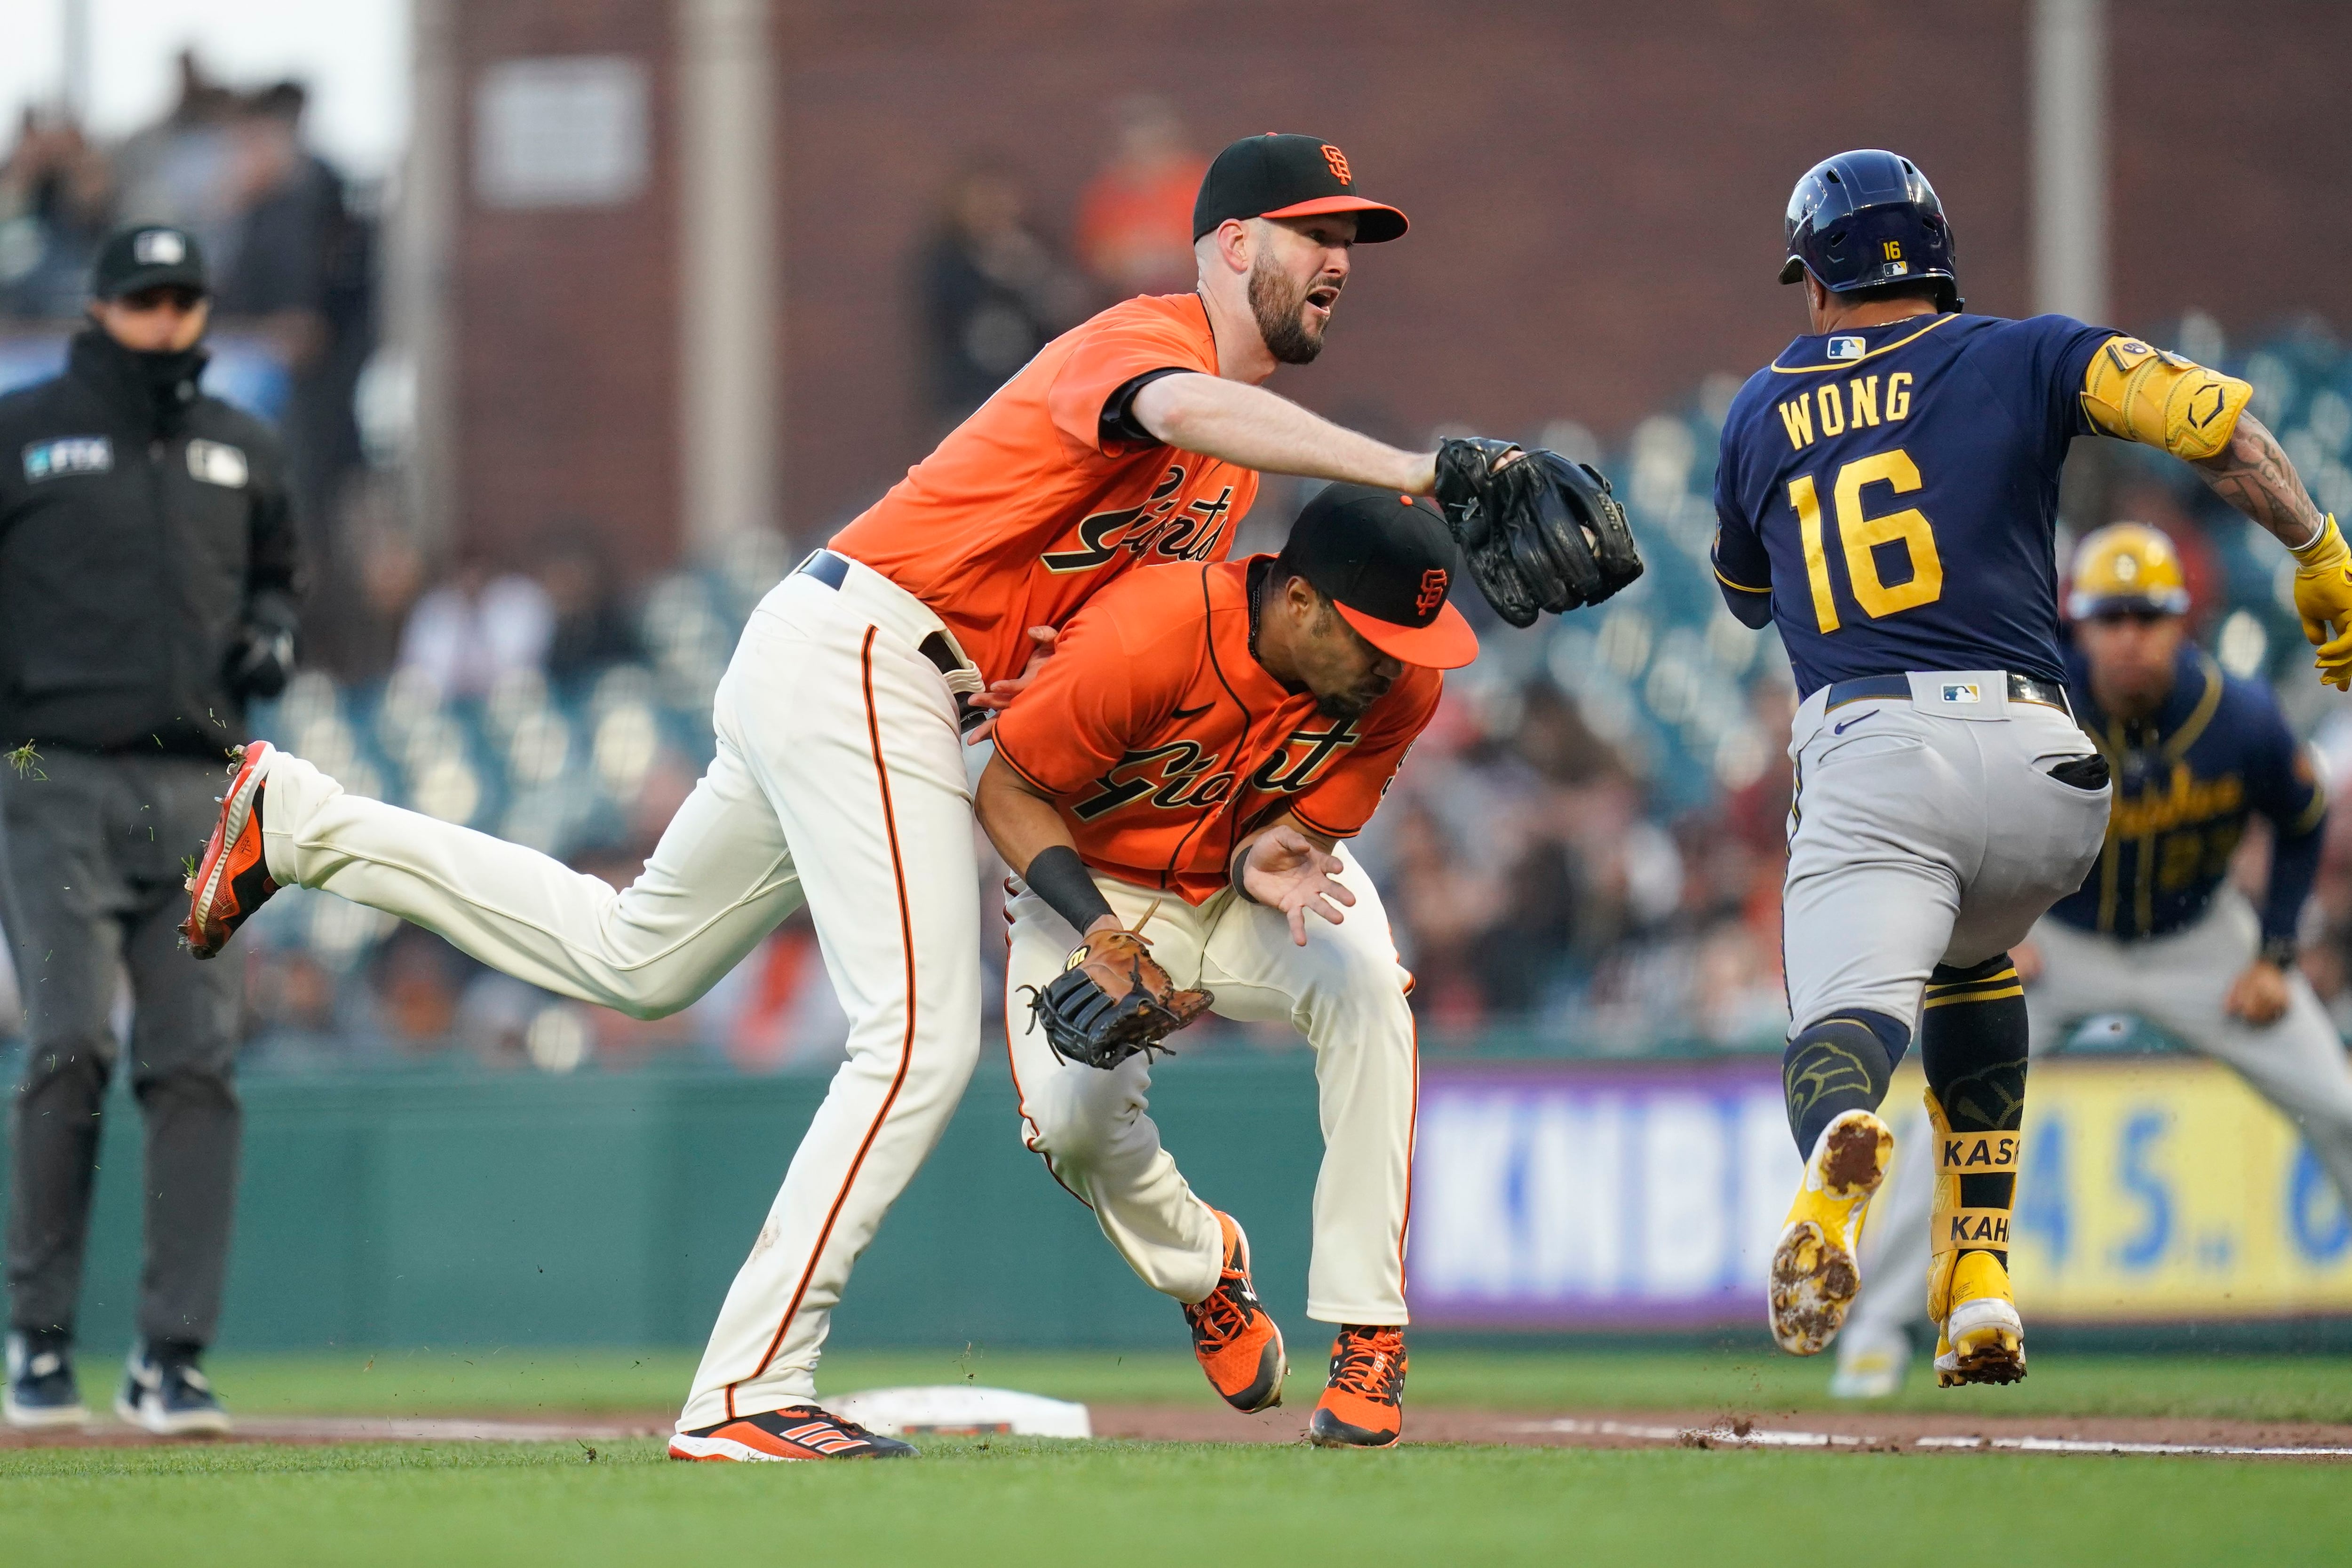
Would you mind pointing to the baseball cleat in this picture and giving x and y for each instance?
(1233, 1340)
(1814, 1276)
(795, 1432)
(41, 1393)
(1870, 1366)
(1980, 1339)
(1363, 1404)
(231, 880)
(163, 1394)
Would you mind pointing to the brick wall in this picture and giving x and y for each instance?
(1596, 193)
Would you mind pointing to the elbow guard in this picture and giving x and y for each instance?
(2144, 394)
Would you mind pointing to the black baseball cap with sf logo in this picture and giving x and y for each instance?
(1275, 175)
(1388, 561)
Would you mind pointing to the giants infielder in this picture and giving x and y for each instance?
(2156, 929)
(1886, 494)
(840, 780)
(1183, 767)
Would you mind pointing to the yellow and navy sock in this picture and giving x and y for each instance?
(1972, 1043)
(1838, 1063)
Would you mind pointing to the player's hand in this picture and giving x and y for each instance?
(1000, 694)
(2026, 959)
(1286, 871)
(2259, 995)
(2323, 599)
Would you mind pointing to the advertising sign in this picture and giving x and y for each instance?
(1573, 1195)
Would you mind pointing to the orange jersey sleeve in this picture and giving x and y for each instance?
(1023, 513)
(1344, 798)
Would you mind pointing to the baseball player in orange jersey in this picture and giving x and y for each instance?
(1184, 768)
(839, 780)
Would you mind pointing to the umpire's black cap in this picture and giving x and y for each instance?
(148, 255)
(1276, 175)
(1387, 561)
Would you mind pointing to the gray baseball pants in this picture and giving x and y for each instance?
(90, 890)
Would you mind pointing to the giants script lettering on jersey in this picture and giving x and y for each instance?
(1281, 775)
(1189, 534)
(1169, 774)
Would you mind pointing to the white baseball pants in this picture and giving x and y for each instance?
(839, 779)
(1925, 831)
(1344, 991)
(2176, 981)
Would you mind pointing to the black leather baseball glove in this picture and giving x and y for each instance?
(1113, 1000)
(1541, 534)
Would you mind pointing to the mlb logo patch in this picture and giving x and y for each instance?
(1847, 348)
(217, 463)
(68, 455)
(1963, 691)
(160, 247)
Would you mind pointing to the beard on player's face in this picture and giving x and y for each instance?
(1357, 673)
(1291, 325)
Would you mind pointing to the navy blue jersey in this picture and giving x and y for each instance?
(1889, 495)
(2185, 780)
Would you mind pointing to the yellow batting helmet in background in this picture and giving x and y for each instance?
(2126, 566)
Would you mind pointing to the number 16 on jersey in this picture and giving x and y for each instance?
(1860, 536)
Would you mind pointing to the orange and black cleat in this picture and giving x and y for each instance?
(795, 1432)
(1236, 1343)
(1363, 1404)
(232, 881)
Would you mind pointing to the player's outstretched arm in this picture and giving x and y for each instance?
(2253, 474)
(1263, 430)
(1028, 831)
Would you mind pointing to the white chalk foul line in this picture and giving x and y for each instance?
(1768, 1437)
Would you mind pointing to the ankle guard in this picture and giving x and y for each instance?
(1954, 1225)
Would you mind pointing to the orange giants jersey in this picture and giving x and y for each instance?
(1164, 741)
(1025, 512)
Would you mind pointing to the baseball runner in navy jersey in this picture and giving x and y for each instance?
(1888, 495)
(2156, 929)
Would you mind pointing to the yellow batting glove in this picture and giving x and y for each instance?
(2323, 597)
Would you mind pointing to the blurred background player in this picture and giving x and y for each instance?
(2157, 930)
(147, 583)
(1185, 766)
(1888, 496)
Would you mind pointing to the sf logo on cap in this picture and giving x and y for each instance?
(160, 247)
(1432, 590)
(1338, 161)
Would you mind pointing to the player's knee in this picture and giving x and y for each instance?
(1074, 1128)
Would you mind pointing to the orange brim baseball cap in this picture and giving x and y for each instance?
(1288, 176)
(1388, 562)
(1445, 643)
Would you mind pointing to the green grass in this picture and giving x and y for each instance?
(651, 1382)
(1141, 1504)
(1135, 1505)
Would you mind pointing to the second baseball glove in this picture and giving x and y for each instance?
(1113, 1000)
(1543, 533)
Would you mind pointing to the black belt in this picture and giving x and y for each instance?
(2021, 689)
(833, 570)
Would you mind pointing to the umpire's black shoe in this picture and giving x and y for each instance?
(41, 1390)
(164, 1393)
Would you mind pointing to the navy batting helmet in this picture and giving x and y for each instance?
(1866, 219)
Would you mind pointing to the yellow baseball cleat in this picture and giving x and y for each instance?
(1814, 1278)
(1980, 1338)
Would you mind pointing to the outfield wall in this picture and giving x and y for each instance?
(1560, 1196)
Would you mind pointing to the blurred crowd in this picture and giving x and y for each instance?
(1583, 854)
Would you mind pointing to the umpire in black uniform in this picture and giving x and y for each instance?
(147, 579)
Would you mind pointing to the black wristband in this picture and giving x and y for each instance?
(1236, 866)
(2281, 951)
(1060, 877)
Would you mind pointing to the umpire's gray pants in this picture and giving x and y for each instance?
(1925, 831)
(2176, 981)
(91, 870)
